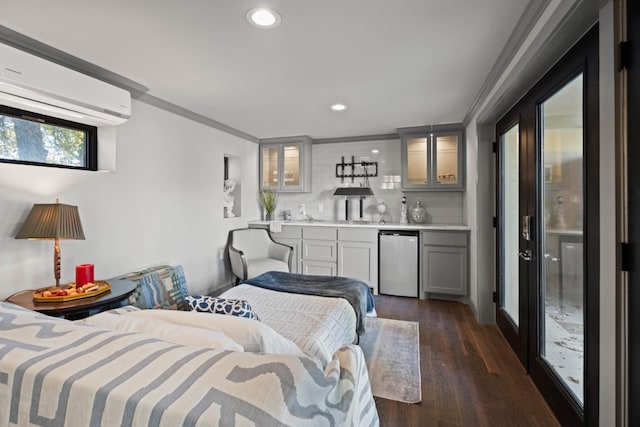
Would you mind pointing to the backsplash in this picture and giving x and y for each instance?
(442, 207)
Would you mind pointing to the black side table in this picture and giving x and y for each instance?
(79, 308)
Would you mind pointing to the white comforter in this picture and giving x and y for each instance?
(197, 329)
(318, 325)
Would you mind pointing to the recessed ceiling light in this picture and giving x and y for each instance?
(338, 107)
(263, 18)
(375, 151)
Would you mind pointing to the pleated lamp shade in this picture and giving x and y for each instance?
(52, 221)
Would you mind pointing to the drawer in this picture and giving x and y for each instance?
(320, 233)
(358, 234)
(445, 238)
(319, 250)
(289, 232)
(319, 268)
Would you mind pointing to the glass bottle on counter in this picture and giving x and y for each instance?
(418, 213)
(403, 211)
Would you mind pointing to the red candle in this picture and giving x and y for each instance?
(84, 274)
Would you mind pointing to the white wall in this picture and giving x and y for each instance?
(442, 208)
(163, 204)
(479, 208)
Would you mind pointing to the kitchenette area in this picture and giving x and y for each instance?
(388, 212)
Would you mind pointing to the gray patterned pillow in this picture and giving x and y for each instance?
(234, 307)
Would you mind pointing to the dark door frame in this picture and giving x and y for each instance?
(582, 58)
(517, 336)
(633, 200)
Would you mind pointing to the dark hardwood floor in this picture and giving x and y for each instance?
(470, 376)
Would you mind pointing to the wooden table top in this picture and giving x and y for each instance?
(120, 289)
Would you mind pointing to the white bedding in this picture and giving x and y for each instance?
(198, 329)
(318, 325)
(54, 372)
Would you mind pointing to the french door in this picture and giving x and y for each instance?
(547, 231)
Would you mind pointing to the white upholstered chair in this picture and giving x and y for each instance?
(252, 251)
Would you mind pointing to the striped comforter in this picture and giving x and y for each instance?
(57, 373)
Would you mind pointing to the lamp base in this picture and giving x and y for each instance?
(56, 261)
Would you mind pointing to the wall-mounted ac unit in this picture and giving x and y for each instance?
(30, 83)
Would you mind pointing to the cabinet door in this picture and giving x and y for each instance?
(444, 270)
(416, 159)
(319, 250)
(359, 260)
(270, 167)
(448, 161)
(295, 244)
(318, 268)
(291, 167)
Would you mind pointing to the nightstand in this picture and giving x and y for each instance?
(79, 308)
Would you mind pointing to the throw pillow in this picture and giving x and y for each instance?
(234, 307)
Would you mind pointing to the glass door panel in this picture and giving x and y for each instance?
(291, 177)
(417, 160)
(509, 214)
(561, 235)
(270, 166)
(447, 159)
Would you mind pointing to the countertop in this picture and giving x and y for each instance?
(377, 226)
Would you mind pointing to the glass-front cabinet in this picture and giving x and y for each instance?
(432, 158)
(285, 164)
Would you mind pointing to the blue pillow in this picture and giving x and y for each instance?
(234, 307)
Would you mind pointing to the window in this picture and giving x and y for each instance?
(35, 139)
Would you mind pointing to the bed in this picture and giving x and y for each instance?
(57, 372)
(318, 324)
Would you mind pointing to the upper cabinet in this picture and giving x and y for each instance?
(433, 158)
(285, 164)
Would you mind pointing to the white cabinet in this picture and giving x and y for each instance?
(348, 252)
(433, 158)
(319, 251)
(353, 252)
(285, 164)
(358, 255)
(445, 262)
(319, 268)
(291, 236)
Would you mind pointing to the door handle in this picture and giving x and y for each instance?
(527, 227)
(551, 258)
(526, 255)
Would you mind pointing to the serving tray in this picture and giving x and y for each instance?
(38, 294)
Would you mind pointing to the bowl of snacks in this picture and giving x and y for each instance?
(70, 292)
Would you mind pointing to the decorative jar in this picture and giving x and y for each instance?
(418, 213)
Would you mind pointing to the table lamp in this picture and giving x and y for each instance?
(52, 222)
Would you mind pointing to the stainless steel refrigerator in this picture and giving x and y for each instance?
(398, 263)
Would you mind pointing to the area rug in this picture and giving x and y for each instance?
(392, 351)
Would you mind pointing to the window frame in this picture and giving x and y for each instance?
(91, 132)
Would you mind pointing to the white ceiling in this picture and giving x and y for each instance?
(394, 63)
